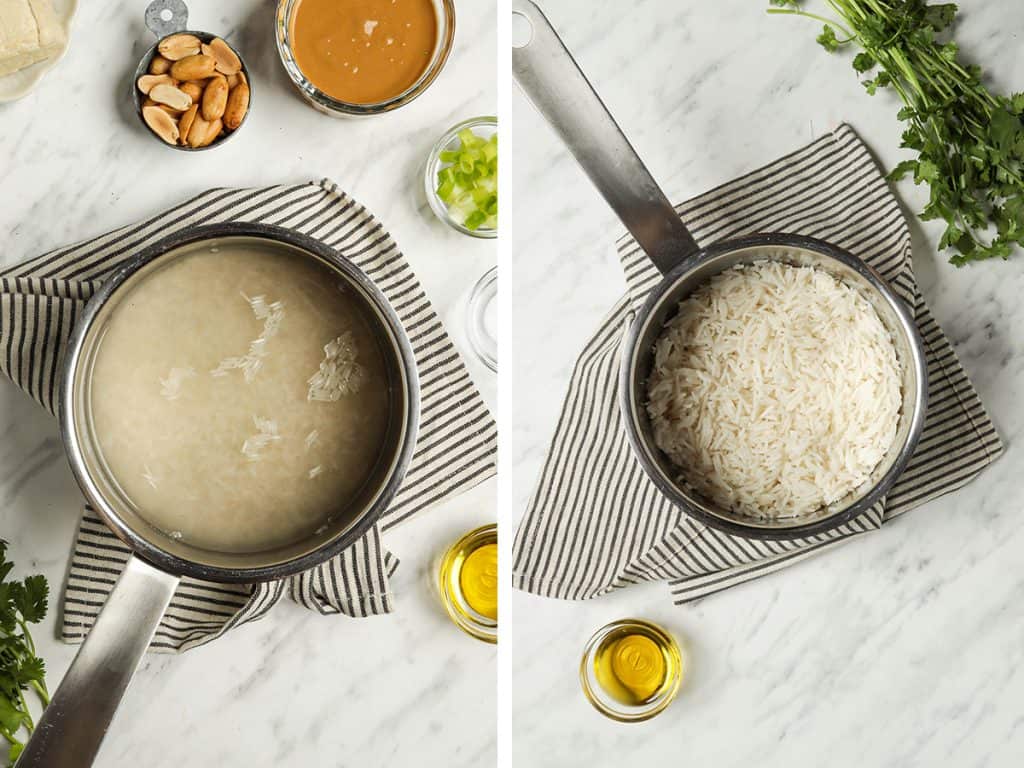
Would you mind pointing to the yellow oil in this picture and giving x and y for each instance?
(468, 582)
(478, 578)
(634, 664)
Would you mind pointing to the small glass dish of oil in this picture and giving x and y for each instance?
(631, 670)
(468, 583)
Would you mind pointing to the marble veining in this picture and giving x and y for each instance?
(294, 688)
(900, 648)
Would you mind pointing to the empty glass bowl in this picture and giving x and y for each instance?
(481, 319)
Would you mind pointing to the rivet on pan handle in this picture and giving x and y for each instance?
(72, 727)
(552, 80)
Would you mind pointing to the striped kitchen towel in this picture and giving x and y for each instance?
(596, 523)
(40, 300)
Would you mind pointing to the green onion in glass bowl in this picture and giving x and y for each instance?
(461, 177)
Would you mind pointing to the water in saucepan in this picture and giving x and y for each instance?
(239, 396)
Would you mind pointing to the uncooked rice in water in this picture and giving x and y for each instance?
(775, 389)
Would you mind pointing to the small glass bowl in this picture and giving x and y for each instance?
(608, 705)
(481, 335)
(449, 585)
(331, 106)
(484, 127)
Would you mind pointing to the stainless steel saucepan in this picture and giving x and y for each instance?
(549, 76)
(74, 724)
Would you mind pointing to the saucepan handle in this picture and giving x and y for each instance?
(72, 727)
(165, 17)
(552, 80)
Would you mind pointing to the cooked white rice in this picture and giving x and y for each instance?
(775, 389)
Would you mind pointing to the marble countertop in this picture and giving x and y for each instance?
(294, 688)
(901, 648)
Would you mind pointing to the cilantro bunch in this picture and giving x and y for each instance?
(969, 141)
(21, 603)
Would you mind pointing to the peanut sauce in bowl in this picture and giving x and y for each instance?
(364, 56)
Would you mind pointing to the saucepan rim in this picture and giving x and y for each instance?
(631, 396)
(399, 461)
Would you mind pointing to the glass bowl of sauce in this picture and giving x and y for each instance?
(468, 582)
(363, 57)
(631, 670)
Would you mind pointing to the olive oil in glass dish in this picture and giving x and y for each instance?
(631, 670)
(467, 580)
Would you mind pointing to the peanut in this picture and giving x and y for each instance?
(146, 83)
(194, 89)
(159, 65)
(228, 62)
(236, 107)
(213, 130)
(175, 113)
(161, 123)
(173, 97)
(215, 98)
(178, 47)
(195, 67)
(197, 131)
(185, 123)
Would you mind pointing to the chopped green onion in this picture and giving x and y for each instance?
(468, 181)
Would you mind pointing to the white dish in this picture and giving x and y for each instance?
(21, 83)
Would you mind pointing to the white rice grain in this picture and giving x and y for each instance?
(272, 315)
(339, 373)
(170, 387)
(253, 446)
(312, 438)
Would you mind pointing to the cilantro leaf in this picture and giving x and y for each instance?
(863, 62)
(926, 171)
(828, 40)
(32, 599)
(901, 170)
(10, 717)
(21, 603)
(881, 80)
(940, 17)
(951, 236)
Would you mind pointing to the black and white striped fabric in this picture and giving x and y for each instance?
(595, 522)
(40, 300)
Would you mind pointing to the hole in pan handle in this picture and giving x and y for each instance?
(554, 83)
(165, 17)
(72, 727)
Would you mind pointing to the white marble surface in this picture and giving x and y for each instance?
(902, 648)
(293, 689)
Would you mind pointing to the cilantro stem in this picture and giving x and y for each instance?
(805, 14)
(27, 637)
(30, 724)
(40, 688)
